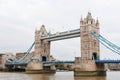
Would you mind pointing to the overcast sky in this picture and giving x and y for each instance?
(20, 18)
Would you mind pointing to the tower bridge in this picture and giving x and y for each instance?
(90, 50)
(89, 64)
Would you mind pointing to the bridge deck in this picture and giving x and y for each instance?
(62, 35)
(48, 63)
(107, 61)
(16, 63)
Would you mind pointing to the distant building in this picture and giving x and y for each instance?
(5, 57)
(1, 54)
(27, 58)
(114, 66)
(19, 55)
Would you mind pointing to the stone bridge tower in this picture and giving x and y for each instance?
(42, 47)
(89, 45)
(41, 53)
(90, 50)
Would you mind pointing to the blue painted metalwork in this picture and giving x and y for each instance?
(107, 61)
(16, 63)
(26, 53)
(106, 43)
(49, 63)
(19, 61)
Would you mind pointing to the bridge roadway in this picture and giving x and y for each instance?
(107, 61)
(47, 63)
(16, 64)
(62, 35)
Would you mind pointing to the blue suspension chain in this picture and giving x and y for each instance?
(106, 43)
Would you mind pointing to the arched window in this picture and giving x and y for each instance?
(94, 44)
(43, 58)
(94, 56)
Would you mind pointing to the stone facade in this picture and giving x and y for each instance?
(7, 57)
(88, 65)
(89, 45)
(41, 53)
(19, 55)
(42, 47)
(90, 50)
(2, 61)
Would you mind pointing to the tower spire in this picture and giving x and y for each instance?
(97, 22)
(81, 18)
(81, 21)
(89, 16)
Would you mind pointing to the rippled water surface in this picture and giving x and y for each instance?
(58, 76)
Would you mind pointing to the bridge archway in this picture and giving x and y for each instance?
(94, 56)
(44, 58)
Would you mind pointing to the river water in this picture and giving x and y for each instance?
(111, 75)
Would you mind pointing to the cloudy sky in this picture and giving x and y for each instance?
(20, 18)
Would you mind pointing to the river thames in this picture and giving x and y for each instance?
(111, 75)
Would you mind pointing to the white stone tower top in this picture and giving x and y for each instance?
(89, 45)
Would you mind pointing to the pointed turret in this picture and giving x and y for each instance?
(43, 31)
(89, 16)
(81, 21)
(49, 32)
(43, 25)
(89, 19)
(97, 22)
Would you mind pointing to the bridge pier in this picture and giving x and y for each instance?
(41, 54)
(37, 66)
(89, 68)
(90, 50)
(34, 66)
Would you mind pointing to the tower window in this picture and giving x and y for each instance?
(94, 56)
(91, 22)
(86, 46)
(94, 43)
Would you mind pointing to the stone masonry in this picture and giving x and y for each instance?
(90, 50)
(41, 53)
(89, 45)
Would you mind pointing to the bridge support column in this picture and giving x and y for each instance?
(52, 67)
(34, 67)
(37, 66)
(89, 68)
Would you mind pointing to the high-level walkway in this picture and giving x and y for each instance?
(62, 35)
